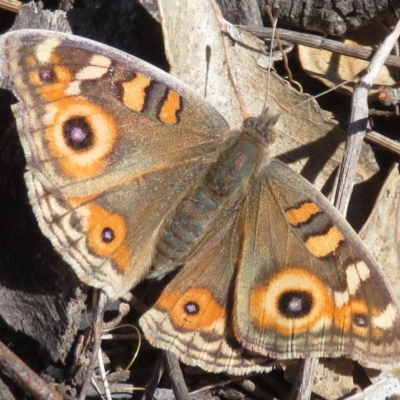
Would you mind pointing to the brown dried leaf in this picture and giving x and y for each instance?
(333, 380)
(333, 69)
(234, 83)
(380, 232)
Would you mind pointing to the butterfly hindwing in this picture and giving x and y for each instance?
(193, 315)
(306, 285)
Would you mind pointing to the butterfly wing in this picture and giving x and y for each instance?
(306, 285)
(112, 144)
(192, 317)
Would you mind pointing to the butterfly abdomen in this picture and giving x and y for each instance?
(225, 181)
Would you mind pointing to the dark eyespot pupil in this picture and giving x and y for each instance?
(192, 308)
(295, 304)
(47, 75)
(107, 235)
(360, 320)
(78, 133)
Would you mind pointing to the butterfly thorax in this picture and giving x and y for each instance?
(226, 181)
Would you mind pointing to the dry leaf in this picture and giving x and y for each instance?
(333, 380)
(232, 80)
(380, 231)
(333, 69)
(385, 388)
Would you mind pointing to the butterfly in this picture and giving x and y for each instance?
(132, 175)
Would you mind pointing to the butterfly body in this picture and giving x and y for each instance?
(131, 175)
(227, 178)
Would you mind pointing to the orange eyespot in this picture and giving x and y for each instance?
(291, 302)
(194, 309)
(81, 136)
(107, 234)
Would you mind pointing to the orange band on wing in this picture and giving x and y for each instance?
(302, 213)
(169, 110)
(324, 244)
(134, 92)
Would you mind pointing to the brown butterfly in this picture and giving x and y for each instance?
(132, 175)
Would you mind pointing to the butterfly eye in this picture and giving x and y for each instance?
(293, 300)
(81, 137)
(78, 134)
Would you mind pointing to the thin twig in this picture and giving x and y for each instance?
(103, 375)
(154, 380)
(383, 141)
(319, 42)
(173, 368)
(98, 327)
(10, 5)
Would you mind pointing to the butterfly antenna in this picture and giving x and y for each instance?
(274, 21)
(357, 76)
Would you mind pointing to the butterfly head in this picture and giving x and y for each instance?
(262, 127)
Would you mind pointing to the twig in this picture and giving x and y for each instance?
(358, 122)
(154, 380)
(382, 141)
(319, 42)
(24, 377)
(303, 385)
(103, 375)
(175, 376)
(98, 327)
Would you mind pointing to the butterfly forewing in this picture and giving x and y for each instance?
(108, 138)
(306, 285)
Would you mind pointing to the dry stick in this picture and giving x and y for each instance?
(98, 327)
(302, 387)
(24, 377)
(384, 142)
(152, 383)
(319, 42)
(103, 375)
(173, 368)
(10, 5)
(358, 122)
